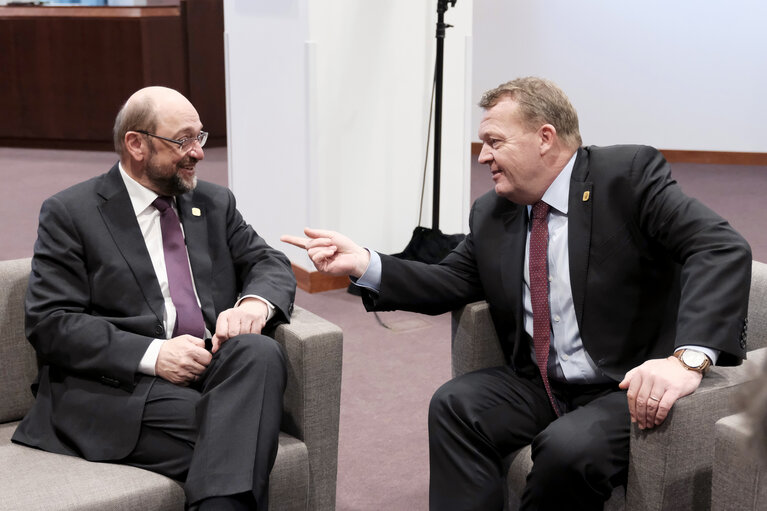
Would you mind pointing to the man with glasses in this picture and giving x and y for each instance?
(146, 302)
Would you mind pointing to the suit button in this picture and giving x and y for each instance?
(159, 330)
(744, 333)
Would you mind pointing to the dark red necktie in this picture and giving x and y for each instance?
(188, 314)
(539, 292)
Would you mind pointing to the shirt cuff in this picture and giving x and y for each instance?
(371, 279)
(712, 354)
(269, 306)
(149, 360)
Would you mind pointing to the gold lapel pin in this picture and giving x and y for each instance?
(197, 212)
(586, 195)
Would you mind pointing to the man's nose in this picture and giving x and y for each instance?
(196, 151)
(484, 155)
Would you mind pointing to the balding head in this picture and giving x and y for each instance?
(148, 137)
(145, 110)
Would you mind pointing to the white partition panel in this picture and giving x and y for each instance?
(682, 74)
(267, 125)
(328, 103)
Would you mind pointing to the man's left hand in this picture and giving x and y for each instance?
(654, 387)
(249, 317)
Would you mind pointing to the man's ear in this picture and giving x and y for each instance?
(547, 135)
(135, 144)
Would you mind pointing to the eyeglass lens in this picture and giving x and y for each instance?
(189, 142)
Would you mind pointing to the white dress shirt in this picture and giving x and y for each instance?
(148, 218)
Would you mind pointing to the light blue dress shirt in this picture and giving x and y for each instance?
(568, 360)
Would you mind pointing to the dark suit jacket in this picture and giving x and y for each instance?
(650, 268)
(94, 305)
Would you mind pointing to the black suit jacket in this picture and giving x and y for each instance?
(94, 305)
(650, 268)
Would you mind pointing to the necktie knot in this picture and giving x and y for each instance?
(540, 209)
(162, 203)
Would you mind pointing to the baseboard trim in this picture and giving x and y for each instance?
(679, 156)
(715, 157)
(316, 282)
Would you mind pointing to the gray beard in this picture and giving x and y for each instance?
(169, 186)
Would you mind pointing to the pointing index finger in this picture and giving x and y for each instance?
(295, 240)
(320, 233)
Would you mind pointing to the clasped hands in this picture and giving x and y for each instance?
(183, 359)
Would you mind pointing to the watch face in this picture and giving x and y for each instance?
(693, 358)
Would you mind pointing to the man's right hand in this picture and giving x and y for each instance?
(332, 252)
(182, 360)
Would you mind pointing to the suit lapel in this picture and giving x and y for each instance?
(511, 247)
(192, 215)
(117, 212)
(579, 229)
(512, 250)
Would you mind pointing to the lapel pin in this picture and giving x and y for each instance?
(586, 196)
(197, 212)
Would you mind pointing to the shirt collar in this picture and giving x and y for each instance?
(558, 192)
(141, 197)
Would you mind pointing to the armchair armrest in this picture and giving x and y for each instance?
(738, 478)
(475, 344)
(312, 401)
(670, 466)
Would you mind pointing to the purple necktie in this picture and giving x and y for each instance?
(539, 292)
(188, 314)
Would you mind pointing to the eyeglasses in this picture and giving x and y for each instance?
(185, 144)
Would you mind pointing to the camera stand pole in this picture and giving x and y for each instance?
(442, 6)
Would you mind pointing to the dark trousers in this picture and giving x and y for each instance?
(220, 437)
(478, 419)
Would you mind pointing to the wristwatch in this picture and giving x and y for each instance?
(693, 360)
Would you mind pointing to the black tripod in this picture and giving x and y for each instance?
(442, 6)
(430, 245)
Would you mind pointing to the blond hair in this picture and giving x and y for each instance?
(540, 102)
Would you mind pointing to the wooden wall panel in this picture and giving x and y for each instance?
(71, 75)
(66, 70)
(205, 47)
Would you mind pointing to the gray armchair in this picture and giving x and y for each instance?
(664, 473)
(304, 474)
(738, 476)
